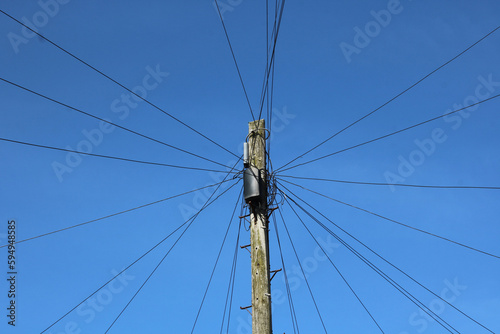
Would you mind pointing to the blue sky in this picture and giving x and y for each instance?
(335, 62)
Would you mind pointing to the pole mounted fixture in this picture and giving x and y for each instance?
(246, 161)
(255, 183)
(251, 182)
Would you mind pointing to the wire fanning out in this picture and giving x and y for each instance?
(293, 315)
(110, 157)
(390, 184)
(217, 260)
(232, 277)
(390, 134)
(110, 123)
(407, 294)
(117, 213)
(334, 266)
(189, 221)
(234, 57)
(396, 222)
(116, 82)
(394, 98)
(302, 271)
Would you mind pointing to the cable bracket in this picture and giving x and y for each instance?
(274, 272)
(246, 247)
(246, 308)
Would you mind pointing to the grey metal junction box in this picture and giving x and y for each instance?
(251, 184)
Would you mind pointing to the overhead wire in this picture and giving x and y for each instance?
(267, 61)
(396, 222)
(397, 286)
(232, 288)
(389, 184)
(389, 135)
(335, 266)
(115, 81)
(188, 221)
(270, 120)
(395, 97)
(116, 213)
(423, 286)
(372, 266)
(233, 154)
(234, 58)
(216, 261)
(109, 122)
(293, 315)
(268, 66)
(268, 70)
(267, 56)
(232, 276)
(271, 97)
(157, 266)
(302, 270)
(109, 156)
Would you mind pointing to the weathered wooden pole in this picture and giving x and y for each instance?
(259, 233)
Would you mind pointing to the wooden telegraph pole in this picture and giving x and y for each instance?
(259, 232)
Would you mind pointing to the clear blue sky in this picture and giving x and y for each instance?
(335, 62)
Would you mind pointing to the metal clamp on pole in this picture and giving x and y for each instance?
(246, 308)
